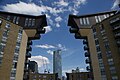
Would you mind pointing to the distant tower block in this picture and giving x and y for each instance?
(57, 64)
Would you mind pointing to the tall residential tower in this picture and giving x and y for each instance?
(57, 64)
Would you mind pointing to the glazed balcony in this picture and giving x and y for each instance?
(87, 61)
(85, 41)
(29, 42)
(86, 47)
(28, 55)
(87, 54)
(88, 68)
(29, 48)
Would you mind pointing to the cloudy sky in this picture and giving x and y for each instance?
(57, 32)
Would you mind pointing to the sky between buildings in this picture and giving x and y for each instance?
(57, 32)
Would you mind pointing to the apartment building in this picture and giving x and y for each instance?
(16, 34)
(82, 27)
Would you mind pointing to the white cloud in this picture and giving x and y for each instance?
(45, 46)
(31, 8)
(77, 3)
(63, 48)
(48, 29)
(26, 8)
(61, 3)
(58, 19)
(57, 25)
(41, 60)
(115, 5)
(50, 52)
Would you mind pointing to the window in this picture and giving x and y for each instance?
(96, 42)
(108, 53)
(110, 61)
(33, 22)
(99, 56)
(7, 25)
(112, 70)
(98, 48)
(106, 44)
(81, 22)
(96, 18)
(26, 22)
(84, 21)
(99, 18)
(30, 22)
(101, 27)
(17, 20)
(8, 17)
(114, 78)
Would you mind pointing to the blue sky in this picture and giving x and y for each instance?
(57, 32)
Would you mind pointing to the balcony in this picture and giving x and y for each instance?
(116, 28)
(114, 21)
(28, 55)
(117, 35)
(87, 54)
(29, 42)
(73, 30)
(118, 43)
(85, 41)
(87, 61)
(29, 48)
(88, 68)
(86, 47)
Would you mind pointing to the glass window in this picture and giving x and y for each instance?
(114, 78)
(96, 18)
(88, 22)
(33, 22)
(7, 25)
(14, 19)
(81, 21)
(26, 22)
(99, 18)
(98, 48)
(84, 21)
(29, 22)
(96, 42)
(8, 17)
(17, 20)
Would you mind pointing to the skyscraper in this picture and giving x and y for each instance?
(57, 64)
